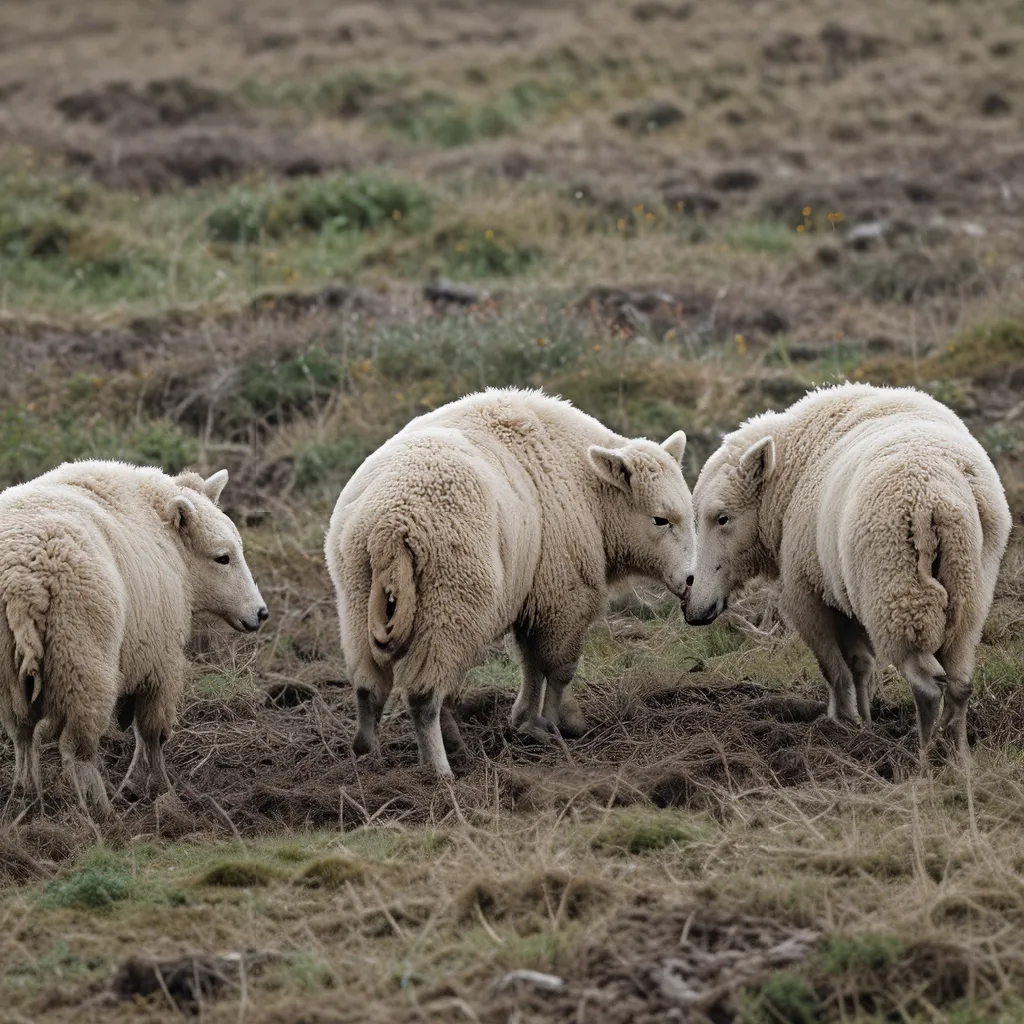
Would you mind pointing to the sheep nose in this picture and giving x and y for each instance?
(263, 614)
(689, 581)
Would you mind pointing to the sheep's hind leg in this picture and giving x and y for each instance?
(957, 659)
(79, 754)
(425, 709)
(560, 706)
(926, 677)
(817, 624)
(526, 717)
(450, 731)
(373, 687)
(859, 656)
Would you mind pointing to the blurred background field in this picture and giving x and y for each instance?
(264, 236)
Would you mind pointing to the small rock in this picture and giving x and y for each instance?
(973, 230)
(650, 117)
(918, 192)
(994, 104)
(534, 979)
(866, 236)
(736, 179)
(827, 255)
(445, 291)
(651, 10)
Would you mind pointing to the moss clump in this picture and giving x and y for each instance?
(239, 874)
(331, 873)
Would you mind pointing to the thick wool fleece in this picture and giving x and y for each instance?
(101, 567)
(492, 514)
(886, 521)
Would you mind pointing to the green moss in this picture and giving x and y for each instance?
(643, 830)
(333, 872)
(240, 874)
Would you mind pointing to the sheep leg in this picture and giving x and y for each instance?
(136, 758)
(22, 739)
(526, 717)
(450, 731)
(859, 655)
(425, 709)
(926, 684)
(79, 753)
(957, 659)
(560, 706)
(373, 687)
(816, 623)
(156, 707)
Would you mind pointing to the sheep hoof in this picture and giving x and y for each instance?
(361, 745)
(540, 729)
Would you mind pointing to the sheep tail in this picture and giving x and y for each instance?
(933, 603)
(392, 606)
(28, 646)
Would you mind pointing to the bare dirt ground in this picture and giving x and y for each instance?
(217, 223)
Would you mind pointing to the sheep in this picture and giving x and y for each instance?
(885, 522)
(101, 566)
(507, 510)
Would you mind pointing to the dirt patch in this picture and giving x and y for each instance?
(259, 764)
(127, 108)
(157, 161)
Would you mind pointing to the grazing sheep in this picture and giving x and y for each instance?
(506, 510)
(885, 521)
(101, 566)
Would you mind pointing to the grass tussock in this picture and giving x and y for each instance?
(240, 874)
(334, 872)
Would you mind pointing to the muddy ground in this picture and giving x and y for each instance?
(676, 215)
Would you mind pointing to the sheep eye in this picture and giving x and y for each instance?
(723, 519)
(659, 521)
(222, 559)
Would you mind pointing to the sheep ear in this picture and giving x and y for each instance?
(611, 466)
(675, 446)
(758, 460)
(214, 485)
(182, 512)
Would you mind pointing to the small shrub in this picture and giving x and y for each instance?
(490, 253)
(844, 954)
(330, 462)
(786, 998)
(293, 384)
(239, 874)
(332, 872)
(96, 887)
(339, 204)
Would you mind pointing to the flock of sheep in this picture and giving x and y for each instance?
(511, 511)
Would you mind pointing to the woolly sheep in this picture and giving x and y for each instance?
(504, 511)
(886, 523)
(101, 566)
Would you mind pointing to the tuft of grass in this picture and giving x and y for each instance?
(96, 887)
(329, 463)
(637, 830)
(290, 385)
(333, 204)
(240, 874)
(767, 237)
(785, 998)
(840, 954)
(333, 872)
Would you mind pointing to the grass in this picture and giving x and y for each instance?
(658, 280)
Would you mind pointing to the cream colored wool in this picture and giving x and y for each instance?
(101, 566)
(886, 522)
(506, 510)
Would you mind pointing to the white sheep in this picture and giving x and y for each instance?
(504, 511)
(886, 523)
(101, 566)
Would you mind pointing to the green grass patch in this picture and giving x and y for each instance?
(637, 830)
(240, 874)
(784, 998)
(334, 205)
(329, 464)
(333, 872)
(767, 237)
(841, 954)
(33, 441)
(290, 385)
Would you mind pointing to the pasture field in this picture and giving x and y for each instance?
(266, 235)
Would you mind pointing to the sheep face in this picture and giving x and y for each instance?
(650, 532)
(726, 501)
(219, 580)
